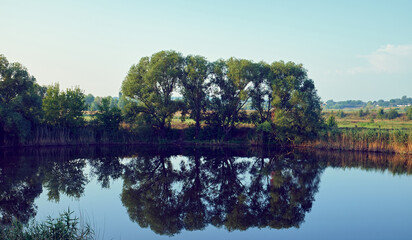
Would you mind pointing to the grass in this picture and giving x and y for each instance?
(375, 124)
(63, 227)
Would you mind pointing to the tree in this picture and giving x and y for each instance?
(230, 86)
(108, 117)
(89, 98)
(296, 105)
(408, 111)
(380, 114)
(20, 101)
(64, 108)
(151, 82)
(261, 92)
(194, 87)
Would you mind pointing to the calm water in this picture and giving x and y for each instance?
(144, 192)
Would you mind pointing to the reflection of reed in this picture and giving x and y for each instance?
(394, 163)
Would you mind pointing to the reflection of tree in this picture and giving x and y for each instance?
(294, 182)
(193, 192)
(219, 189)
(150, 196)
(66, 177)
(106, 168)
(19, 186)
(225, 192)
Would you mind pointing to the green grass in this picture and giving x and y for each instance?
(376, 124)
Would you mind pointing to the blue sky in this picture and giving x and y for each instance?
(351, 49)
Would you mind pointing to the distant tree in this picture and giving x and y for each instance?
(151, 82)
(114, 101)
(297, 108)
(340, 114)
(194, 87)
(361, 113)
(380, 114)
(64, 108)
(89, 98)
(108, 117)
(20, 101)
(122, 101)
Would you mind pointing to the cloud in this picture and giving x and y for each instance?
(387, 59)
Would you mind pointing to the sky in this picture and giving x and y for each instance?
(352, 49)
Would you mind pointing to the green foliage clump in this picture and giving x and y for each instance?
(297, 109)
(64, 108)
(392, 114)
(408, 111)
(151, 82)
(63, 227)
(20, 101)
(331, 122)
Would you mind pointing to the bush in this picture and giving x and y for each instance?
(392, 114)
(331, 122)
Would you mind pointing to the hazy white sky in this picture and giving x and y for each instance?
(351, 49)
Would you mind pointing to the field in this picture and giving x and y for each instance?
(349, 118)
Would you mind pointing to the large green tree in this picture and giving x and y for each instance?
(151, 82)
(64, 108)
(230, 86)
(296, 105)
(20, 101)
(261, 91)
(194, 87)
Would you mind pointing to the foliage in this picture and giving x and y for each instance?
(396, 102)
(194, 87)
(63, 227)
(297, 110)
(108, 117)
(331, 122)
(261, 91)
(64, 108)
(20, 101)
(330, 104)
(380, 114)
(409, 112)
(151, 82)
(392, 114)
(230, 86)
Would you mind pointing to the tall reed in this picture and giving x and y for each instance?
(370, 140)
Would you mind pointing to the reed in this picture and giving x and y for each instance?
(63, 227)
(367, 140)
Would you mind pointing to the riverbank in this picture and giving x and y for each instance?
(354, 139)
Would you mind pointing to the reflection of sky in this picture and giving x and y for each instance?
(350, 204)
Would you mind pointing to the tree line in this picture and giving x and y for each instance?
(212, 94)
(286, 102)
(396, 102)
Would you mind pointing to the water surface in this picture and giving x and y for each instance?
(142, 192)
